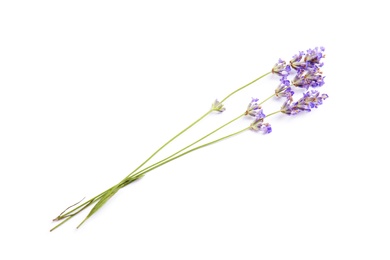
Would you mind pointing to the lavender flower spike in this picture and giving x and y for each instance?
(254, 109)
(313, 57)
(311, 77)
(284, 89)
(259, 125)
(297, 63)
(310, 99)
(281, 68)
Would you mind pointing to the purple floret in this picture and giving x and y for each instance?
(254, 109)
(281, 68)
(311, 99)
(310, 59)
(259, 125)
(312, 77)
(284, 89)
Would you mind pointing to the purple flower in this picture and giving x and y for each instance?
(311, 77)
(281, 68)
(297, 63)
(284, 89)
(259, 125)
(254, 109)
(310, 99)
(266, 128)
(287, 108)
(312, 59)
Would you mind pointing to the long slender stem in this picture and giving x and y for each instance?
(170, 140)
(69, 213)
(169, 158)
(268, 98)
(246, 85)
(265, 100)
(63, 222)
(188, 146)
(191, 125)
(273, 113)
(164, 162)
(193, 149)
(83, 206)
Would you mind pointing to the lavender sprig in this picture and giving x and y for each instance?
(103, 197)
(254, 109)
(281, 68)
(310, 59)
(284, 89)
(311, 99)
(308, 75)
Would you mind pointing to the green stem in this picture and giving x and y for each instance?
(63, 222)
(246, 85)
(268, 98)
(69, 213)
(83, 206)
(158, 165)
(170, 140)
(188, 146)
(273, 113)
(193, 149)
(164, 161)
(265, 100)
(191, 125)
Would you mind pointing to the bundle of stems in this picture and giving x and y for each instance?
(307, 75)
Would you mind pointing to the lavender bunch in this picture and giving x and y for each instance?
(305, 65)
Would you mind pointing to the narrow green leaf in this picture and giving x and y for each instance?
(100, 203)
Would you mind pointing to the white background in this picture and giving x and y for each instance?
(89, 89)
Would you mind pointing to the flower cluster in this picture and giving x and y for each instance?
(310, 59)
(308, 75)
(284, 89)
(297, 62)
(308, 67)
(254, 109)
(310, 99)
(259, 125)
(281, 68)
